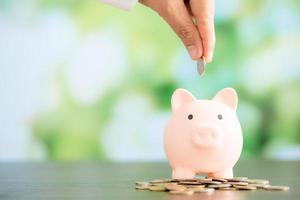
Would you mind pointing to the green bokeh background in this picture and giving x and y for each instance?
(157, 64)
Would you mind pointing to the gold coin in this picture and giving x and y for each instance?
(277, 188)
(157, 188)
(195, 186)
(237, 183)
(185, 192)
(227, 188)
(204, 190)
(174, 186)
(189, 183)
(218, 179)
(185, 180)
(246, 187)
(223, 185)
(161, 181)
(241, 177)
(210, 182)
(157, 184)
(259, 181)
(259, 186)
(139, 187)
(237, 179)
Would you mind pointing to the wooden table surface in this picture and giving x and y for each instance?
(97, 180)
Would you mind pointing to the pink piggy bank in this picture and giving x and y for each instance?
(203, 136)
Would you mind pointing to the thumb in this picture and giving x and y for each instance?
(178, 17)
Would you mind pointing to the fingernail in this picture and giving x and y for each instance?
(209, 57)
(193, 51)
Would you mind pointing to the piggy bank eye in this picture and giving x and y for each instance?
(220, 117)
(190, 116)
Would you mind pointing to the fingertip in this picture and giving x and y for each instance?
(209, 57)
(194, 51)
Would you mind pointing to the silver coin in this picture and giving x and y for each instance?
(201, 66)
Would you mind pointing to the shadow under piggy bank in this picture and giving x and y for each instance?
(217, 195)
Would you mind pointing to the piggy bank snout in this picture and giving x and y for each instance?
(207, 136)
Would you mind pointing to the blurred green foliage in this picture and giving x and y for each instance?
(74, 130)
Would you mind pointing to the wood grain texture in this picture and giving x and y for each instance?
(97, 180)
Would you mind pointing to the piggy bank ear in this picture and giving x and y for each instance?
(227, 96)
(181, 97)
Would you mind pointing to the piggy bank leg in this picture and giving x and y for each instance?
(227, 173)
(180, 173)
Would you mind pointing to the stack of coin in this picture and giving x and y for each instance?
(206, 185)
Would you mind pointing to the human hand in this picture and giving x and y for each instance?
(192, 21)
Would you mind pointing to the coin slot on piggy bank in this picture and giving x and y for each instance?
(203, 136)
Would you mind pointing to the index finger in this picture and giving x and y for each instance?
(203, 11)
